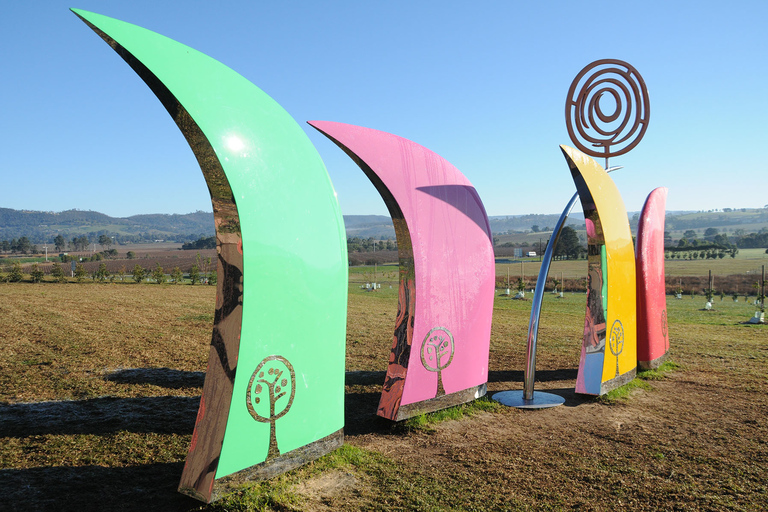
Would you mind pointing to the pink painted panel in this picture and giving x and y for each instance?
(652, 333)
(453, 279)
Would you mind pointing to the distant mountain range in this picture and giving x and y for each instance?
(43, 227)
(727, 220)
(364, 226)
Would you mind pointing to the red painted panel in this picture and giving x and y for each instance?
(652, 332)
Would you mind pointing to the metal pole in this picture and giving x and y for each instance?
(538, 296)
(533, 324)
(525, 399)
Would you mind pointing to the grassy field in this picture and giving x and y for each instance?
(747, 260)
(751, 221)
(99, 387)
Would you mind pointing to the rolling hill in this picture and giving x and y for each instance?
(42, 227)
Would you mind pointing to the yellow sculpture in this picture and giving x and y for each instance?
(609, 348)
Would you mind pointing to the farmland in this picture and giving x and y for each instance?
(148, 256)
(99, 386)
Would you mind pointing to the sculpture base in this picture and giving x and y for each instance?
(650, 365)
(270, 468)
(441, 402)
(617, 382)
(540, 400)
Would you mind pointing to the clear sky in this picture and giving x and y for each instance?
(482, 84)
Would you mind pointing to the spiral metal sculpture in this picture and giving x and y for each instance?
(593, 130)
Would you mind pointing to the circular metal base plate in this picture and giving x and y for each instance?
(540, 400)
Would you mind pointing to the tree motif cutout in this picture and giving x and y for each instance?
(437, 353)
(616, 341)
(664, 329)
(271, 382)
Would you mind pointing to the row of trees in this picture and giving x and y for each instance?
(198, 273)
(356, 244)
(18, 246)
(754, 240)
(709, 254)
(23, 245)
(712, 236)
(715, 245)
(200, 243)
(42, 236)
(568, 245)
(79, 243)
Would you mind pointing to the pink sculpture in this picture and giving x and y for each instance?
(440, 347)
(652, 332)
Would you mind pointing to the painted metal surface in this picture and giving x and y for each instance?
(447, 272)
(652, 332)
(609, 349)
(273, 396)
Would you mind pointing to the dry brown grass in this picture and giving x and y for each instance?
(62, 338)
(96, 437)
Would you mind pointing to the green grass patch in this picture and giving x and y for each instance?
(622, 393)
(275, 494)
(658, 373)
(425, 421)
(30, 259)
(282, 493)
(346, 456)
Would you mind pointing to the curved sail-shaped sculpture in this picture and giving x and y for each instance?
(652, 332)
(609, 350)
(273, 396)
(442, 334)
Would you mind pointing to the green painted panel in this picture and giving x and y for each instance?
(604, 289)
(294, 284)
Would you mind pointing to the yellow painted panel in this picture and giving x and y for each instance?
(600, 195)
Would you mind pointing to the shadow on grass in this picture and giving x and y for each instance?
(153, 487)
(162, 377)
(541, 375)
(364, 378)
(162, 414)
(360, 415)
(572, 399)
(360, 407)
(137, 488)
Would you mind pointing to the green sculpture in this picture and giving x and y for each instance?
(273, 396)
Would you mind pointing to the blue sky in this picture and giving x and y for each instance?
(483, 84)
